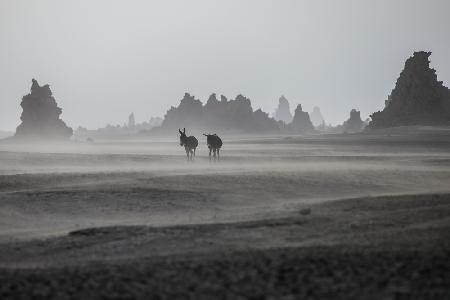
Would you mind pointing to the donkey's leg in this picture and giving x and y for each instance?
(215, 153)
(210, 153)
(218, 154)
(187, 152)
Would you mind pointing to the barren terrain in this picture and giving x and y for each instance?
(337, 216)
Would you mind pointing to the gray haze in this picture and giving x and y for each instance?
(105, 59)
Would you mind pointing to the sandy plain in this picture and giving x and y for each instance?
(283, 217)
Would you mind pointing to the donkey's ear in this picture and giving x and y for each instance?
(179, 131)
(184, 130)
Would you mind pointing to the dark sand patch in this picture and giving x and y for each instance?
(376, 248)
(312, 273)
(402, 222)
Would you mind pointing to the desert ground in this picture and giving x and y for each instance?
(351, 216)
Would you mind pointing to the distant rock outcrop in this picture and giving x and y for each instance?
(131, 128)
(40, 115)
(417, 99)
(354, 123)
(131, 121)
(301, 121)
(188, 114)
(316, 117)
(215, 115)
(283, 111)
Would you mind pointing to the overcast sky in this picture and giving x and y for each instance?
(105, 59)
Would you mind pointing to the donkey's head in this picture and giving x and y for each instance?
(183, 136)
(208, 138)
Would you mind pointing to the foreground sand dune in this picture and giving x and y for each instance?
(349, 249)
(422, 221)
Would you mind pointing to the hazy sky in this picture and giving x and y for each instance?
(105, 59)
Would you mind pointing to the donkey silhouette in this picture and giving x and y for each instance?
(189, 143)
(214, 144)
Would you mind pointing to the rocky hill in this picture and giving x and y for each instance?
(417, 99)
(215, 115)
(40, 115)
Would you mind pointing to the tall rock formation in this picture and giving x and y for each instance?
(131, 121)
(417, 99)
(316, 117)
(40, 115)
(354, 123)
(301, 121)
(283, 111)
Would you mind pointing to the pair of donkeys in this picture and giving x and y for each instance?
(190, 143)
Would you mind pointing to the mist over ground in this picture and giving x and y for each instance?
(80, 214)
(54, 188)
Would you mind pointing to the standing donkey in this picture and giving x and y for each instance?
(189, 143)
(214, 144)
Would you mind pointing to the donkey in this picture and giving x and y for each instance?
(214, 144)
(189, 143)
